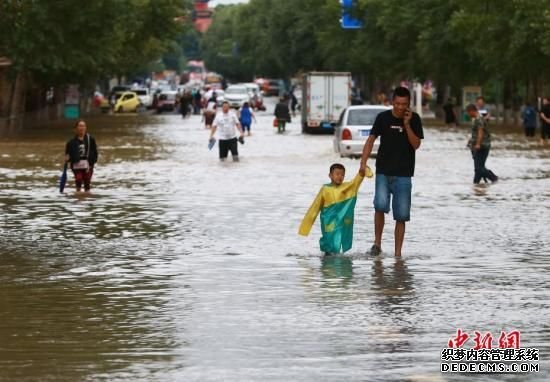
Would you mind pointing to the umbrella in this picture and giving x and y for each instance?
(63, 179)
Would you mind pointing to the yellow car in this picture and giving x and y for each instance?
(128, 101)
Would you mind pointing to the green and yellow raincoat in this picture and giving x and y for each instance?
(336, 205)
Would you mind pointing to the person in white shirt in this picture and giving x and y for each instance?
(227, 125)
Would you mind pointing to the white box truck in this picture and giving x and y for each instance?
(324, 96)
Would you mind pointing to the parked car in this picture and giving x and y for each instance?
(127, 102)
(353, 129)
(237, 95)
(167, 101)
(256, 97)
(145, 97)
(273, 87)
(116, 92)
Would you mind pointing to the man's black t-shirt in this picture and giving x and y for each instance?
(546, 111)
(395, 155)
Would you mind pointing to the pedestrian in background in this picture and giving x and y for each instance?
(209, 113)
(545, 121)
(81, 154)
(482, 108)
(400, 131)
(529, 117)
(282, 114)
(480, 145)
(197, 102)
(293, 102)
(246, 115)
(450, 114)
(186, 100)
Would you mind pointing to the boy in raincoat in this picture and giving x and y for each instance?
(336, 203)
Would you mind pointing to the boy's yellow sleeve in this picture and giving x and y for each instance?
(356, 182)
(311, 214)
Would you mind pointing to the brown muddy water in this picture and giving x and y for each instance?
(180, 268)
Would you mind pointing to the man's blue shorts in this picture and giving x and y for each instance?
(400, 188)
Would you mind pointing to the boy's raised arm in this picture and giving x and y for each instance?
(311, 214)
(356, 182)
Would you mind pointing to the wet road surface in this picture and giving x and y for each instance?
(178, 267)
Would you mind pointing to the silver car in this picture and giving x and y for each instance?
(354, 128)
(237, 95)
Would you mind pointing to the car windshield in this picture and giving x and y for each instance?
(236, 91)
(141, 92)
(119, 89)
(361, 117)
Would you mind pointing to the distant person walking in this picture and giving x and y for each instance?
(529, 117)
(293, 102)
(482, 108)
(227, 124)
(246, 116)
(480, 144)
(197, 101)
(81, 154)
(209, 113)
(400, 131)
(282, 114)
(450, 114)
(186, 101)
(545, 121)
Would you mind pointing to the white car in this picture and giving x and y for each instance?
(144, 97)
(237, 95)
(354, 128)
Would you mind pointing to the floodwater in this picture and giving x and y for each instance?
(181, 268)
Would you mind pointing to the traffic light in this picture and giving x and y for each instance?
(348, 21)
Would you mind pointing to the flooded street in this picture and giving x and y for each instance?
(180, 268)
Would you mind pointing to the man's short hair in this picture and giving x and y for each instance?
(480, 98)
(225, 102)
(401, 91)
(471, 107)
(337, 166)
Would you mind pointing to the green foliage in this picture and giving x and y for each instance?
(453, 42)
(81, 41)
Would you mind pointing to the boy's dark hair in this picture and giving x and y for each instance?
(225, 102)
(471, 107)
(401, 91)
(337, 166)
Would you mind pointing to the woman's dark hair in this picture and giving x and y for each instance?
(401, 91)
(246, 104)
(78, 123)
(337, 166)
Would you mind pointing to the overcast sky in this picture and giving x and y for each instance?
(213, 3)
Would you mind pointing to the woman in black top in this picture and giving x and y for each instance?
(81, 154)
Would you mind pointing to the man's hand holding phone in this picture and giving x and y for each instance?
(407, 117)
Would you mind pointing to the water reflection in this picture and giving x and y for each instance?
(337, 270)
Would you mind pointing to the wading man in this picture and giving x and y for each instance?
(400, 131)
(228, 126)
